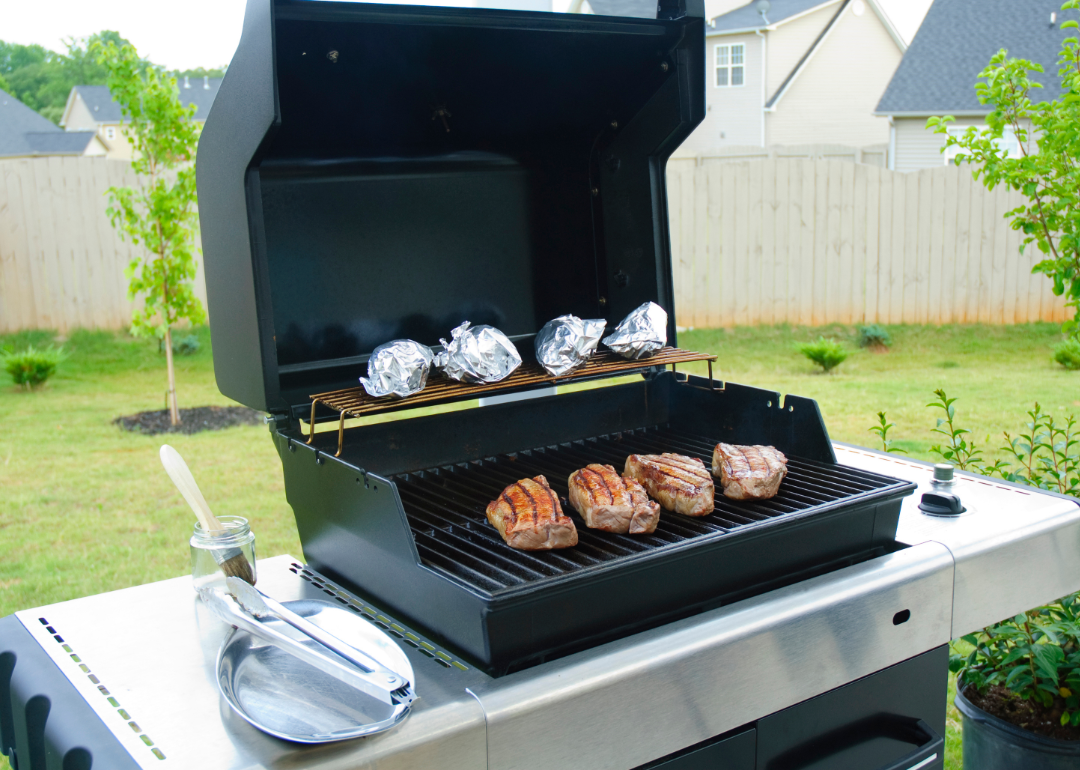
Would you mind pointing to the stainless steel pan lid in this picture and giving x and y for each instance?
(283, 696)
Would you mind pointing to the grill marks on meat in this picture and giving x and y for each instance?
(679, 483)
(749, 472)
(529, 517)
(612, 503)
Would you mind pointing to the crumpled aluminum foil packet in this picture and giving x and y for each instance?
(566, 343)
(478, 354)
(398, 368)
(641, 333)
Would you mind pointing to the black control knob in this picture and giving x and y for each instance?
(941, 504)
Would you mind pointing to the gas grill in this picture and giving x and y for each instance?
(371, 172)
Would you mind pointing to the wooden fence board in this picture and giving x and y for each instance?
(702, 273)
(807, 222)
(716, 255)
(781, 244)
(768, 241)
(873, 236)
(728, 276)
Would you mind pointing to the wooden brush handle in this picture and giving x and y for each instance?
(185, 482)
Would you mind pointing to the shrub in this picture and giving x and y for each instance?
(873, 336)
(1034, 655)
(828, 354)
(1068, 354)
(187, 346)
(32, 366)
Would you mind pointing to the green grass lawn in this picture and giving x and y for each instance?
(87, 508)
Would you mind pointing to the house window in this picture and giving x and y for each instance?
(110, 132)
(730, 65)
(1008, 142)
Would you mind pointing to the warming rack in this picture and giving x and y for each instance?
(355, 402)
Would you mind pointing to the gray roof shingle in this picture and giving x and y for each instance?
(955, 42)
(24, 132)
(748, 17)
(641, 9)
(105, 110)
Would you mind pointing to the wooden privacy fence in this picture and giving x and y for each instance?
(61, 263)
(762, 241)
(812, 242)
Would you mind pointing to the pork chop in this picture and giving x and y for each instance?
(679, 483)
(529, 517)
(749, 472)
(612, 503)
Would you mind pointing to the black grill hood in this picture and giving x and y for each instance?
(370, 172)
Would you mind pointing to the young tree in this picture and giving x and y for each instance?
(1047, 174)
(161, 214)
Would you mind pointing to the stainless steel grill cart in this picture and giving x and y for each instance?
(741, 686)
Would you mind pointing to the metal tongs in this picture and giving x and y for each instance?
(244, 606)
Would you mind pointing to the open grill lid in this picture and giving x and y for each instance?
(371, 172)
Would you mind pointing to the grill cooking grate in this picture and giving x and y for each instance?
(446, 507)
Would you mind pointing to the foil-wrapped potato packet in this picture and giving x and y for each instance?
(641, 333)
(478, 354)
(398, 368)
(566, 343)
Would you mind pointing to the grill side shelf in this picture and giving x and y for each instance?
(355, 402)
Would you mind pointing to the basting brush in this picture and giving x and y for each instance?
(231, 560)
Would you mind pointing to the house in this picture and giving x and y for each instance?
(796, 72)
(642, 9)
(24, 133)
(938, 73)
(91, 108)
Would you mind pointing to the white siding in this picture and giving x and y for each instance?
(833, 99)
(917, 147)
(789, 42)
(80, 118)
(733, 113)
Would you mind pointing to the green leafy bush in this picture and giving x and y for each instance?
(33, 366)
(186, 346)
(1068, 354)
(826, 353)
(873, 336)
(1036, 655)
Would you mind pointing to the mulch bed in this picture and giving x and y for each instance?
(193, 420)
(1033, 717)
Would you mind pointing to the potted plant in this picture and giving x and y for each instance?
(1019, 691)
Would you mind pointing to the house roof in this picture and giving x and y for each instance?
(99, 101)
(955, 42)
(642, 9)
(748, 18)
(24, 132)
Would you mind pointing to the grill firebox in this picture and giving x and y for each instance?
(446, 508)
(400, 515)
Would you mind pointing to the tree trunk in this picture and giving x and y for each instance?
(174, 411)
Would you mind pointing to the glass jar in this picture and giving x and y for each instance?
(210, 550)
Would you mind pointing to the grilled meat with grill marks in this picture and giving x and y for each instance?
(749, 472)
(529, 517)
(677, 482)
(612, 503)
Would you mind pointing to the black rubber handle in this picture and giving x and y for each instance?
(834, 742)
(933, 746)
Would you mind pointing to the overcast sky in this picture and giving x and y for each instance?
(204, 33)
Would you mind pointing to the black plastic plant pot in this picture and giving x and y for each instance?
(991, 743)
